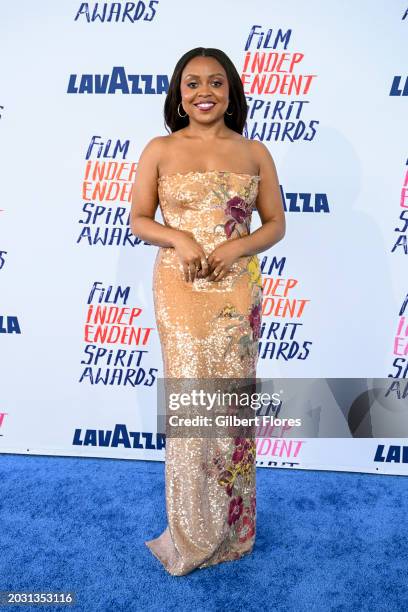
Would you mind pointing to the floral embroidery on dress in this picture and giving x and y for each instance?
(233, 476)
(255, 279)
(237, 209)
(238, 213)
(245, 328)
(254, 271)
(240, 331)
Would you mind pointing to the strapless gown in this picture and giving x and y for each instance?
(208, 329)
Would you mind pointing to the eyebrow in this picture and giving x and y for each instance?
(210, 75)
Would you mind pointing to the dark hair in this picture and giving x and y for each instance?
(238, 102)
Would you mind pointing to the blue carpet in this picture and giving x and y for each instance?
(325, 540)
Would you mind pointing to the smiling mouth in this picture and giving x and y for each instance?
(205, 105)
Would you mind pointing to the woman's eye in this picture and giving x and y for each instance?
(214, 83)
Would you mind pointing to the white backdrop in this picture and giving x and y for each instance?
(335, 123)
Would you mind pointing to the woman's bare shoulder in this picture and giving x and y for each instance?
(157, 143)
(259, 151)
(155, 150)
(161, 146)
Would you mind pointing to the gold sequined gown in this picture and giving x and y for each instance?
(208, 329)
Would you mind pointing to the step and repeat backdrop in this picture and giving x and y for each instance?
(82, 91)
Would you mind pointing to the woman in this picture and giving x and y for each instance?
(207, 293)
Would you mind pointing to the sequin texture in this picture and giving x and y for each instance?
(207, 329)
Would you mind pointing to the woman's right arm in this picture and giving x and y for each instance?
(145, 199)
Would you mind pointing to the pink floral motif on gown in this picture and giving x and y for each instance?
(208, 329)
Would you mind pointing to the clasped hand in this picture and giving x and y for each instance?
(197, 265)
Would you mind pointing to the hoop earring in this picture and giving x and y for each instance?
(178, 110)
(231, 113)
